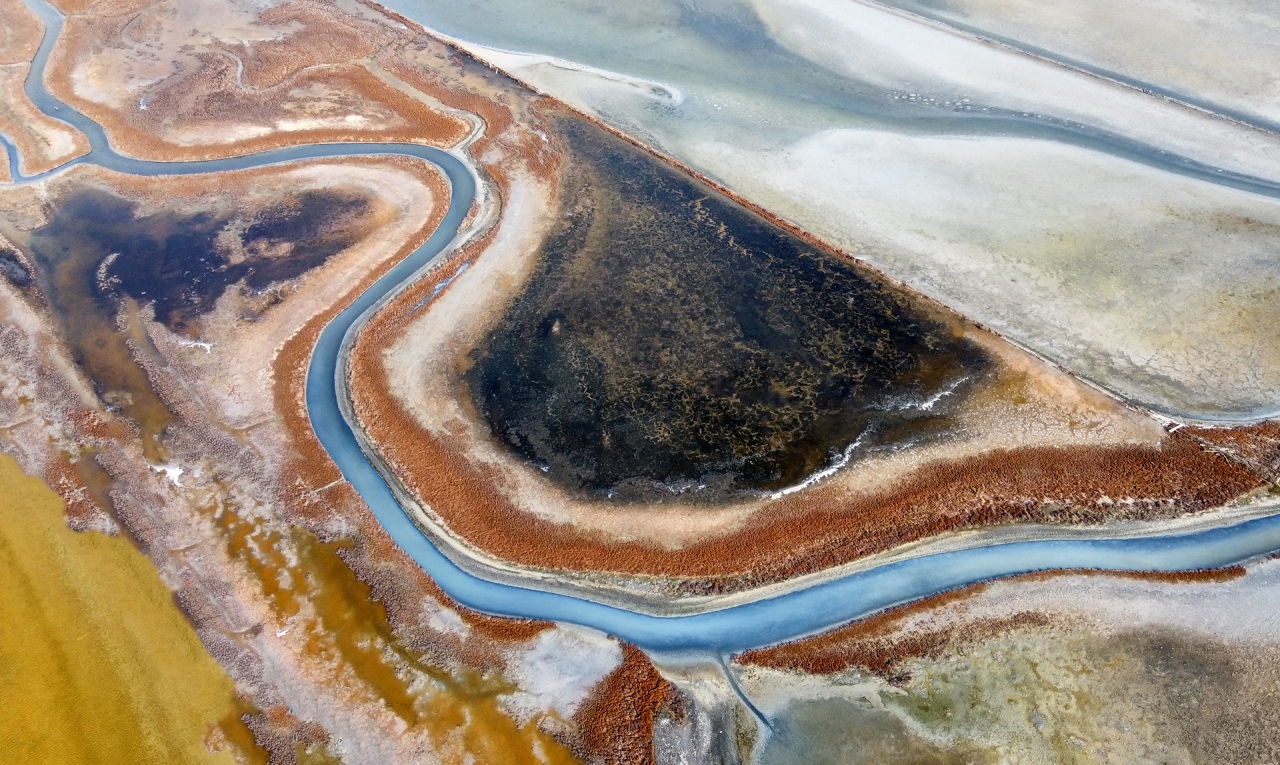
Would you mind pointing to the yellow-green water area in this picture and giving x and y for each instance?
(97, 663)
(350, 628)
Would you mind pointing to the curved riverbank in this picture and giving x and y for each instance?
(784, 616)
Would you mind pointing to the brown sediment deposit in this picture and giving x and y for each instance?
(70, 7)
(879, 643)
(292, 585)
(821, 527)
(276, 730)
(20, 32)
(1031, 443)
(163, 87)
(1255, 446)
(317, 37)
(617, 719)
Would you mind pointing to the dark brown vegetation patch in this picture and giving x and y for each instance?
(13, 267)
(1257, 446)
(183, 262)
(806, 532)
(673, 344)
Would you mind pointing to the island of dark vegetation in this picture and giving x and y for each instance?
(672, 343)
(97, 256)
(183, 262)
(13, 269)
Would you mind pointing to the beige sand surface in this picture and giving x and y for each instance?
(43, 143)
(191, 80)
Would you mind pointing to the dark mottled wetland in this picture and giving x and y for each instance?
(13, 269)
(99, 262)
(183, 262)
(672, 343)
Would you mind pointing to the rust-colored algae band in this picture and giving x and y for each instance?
(1257, 446)
(803, 533)
(97, 663)
(313, 468)
(875, 644)
(327, 56)
(806, 532)
(617, 720)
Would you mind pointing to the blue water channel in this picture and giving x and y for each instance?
(806, 611)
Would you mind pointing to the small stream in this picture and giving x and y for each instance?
(808, 610)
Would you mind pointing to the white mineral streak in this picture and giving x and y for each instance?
(1221, 54)
(872, 128)
(559, 670)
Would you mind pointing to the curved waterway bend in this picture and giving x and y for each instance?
(812, 609)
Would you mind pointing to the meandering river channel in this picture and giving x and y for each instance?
(805, 609)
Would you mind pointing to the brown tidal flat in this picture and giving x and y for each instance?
(1257, 446)
(43, 143)
(20, 32)
(1004, 466)
(879, 643)
(295, 73)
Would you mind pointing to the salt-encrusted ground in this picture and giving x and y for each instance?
(1040, 200)
(1061, 669)
(192, 439)
(1218, 54)
(340, 645)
